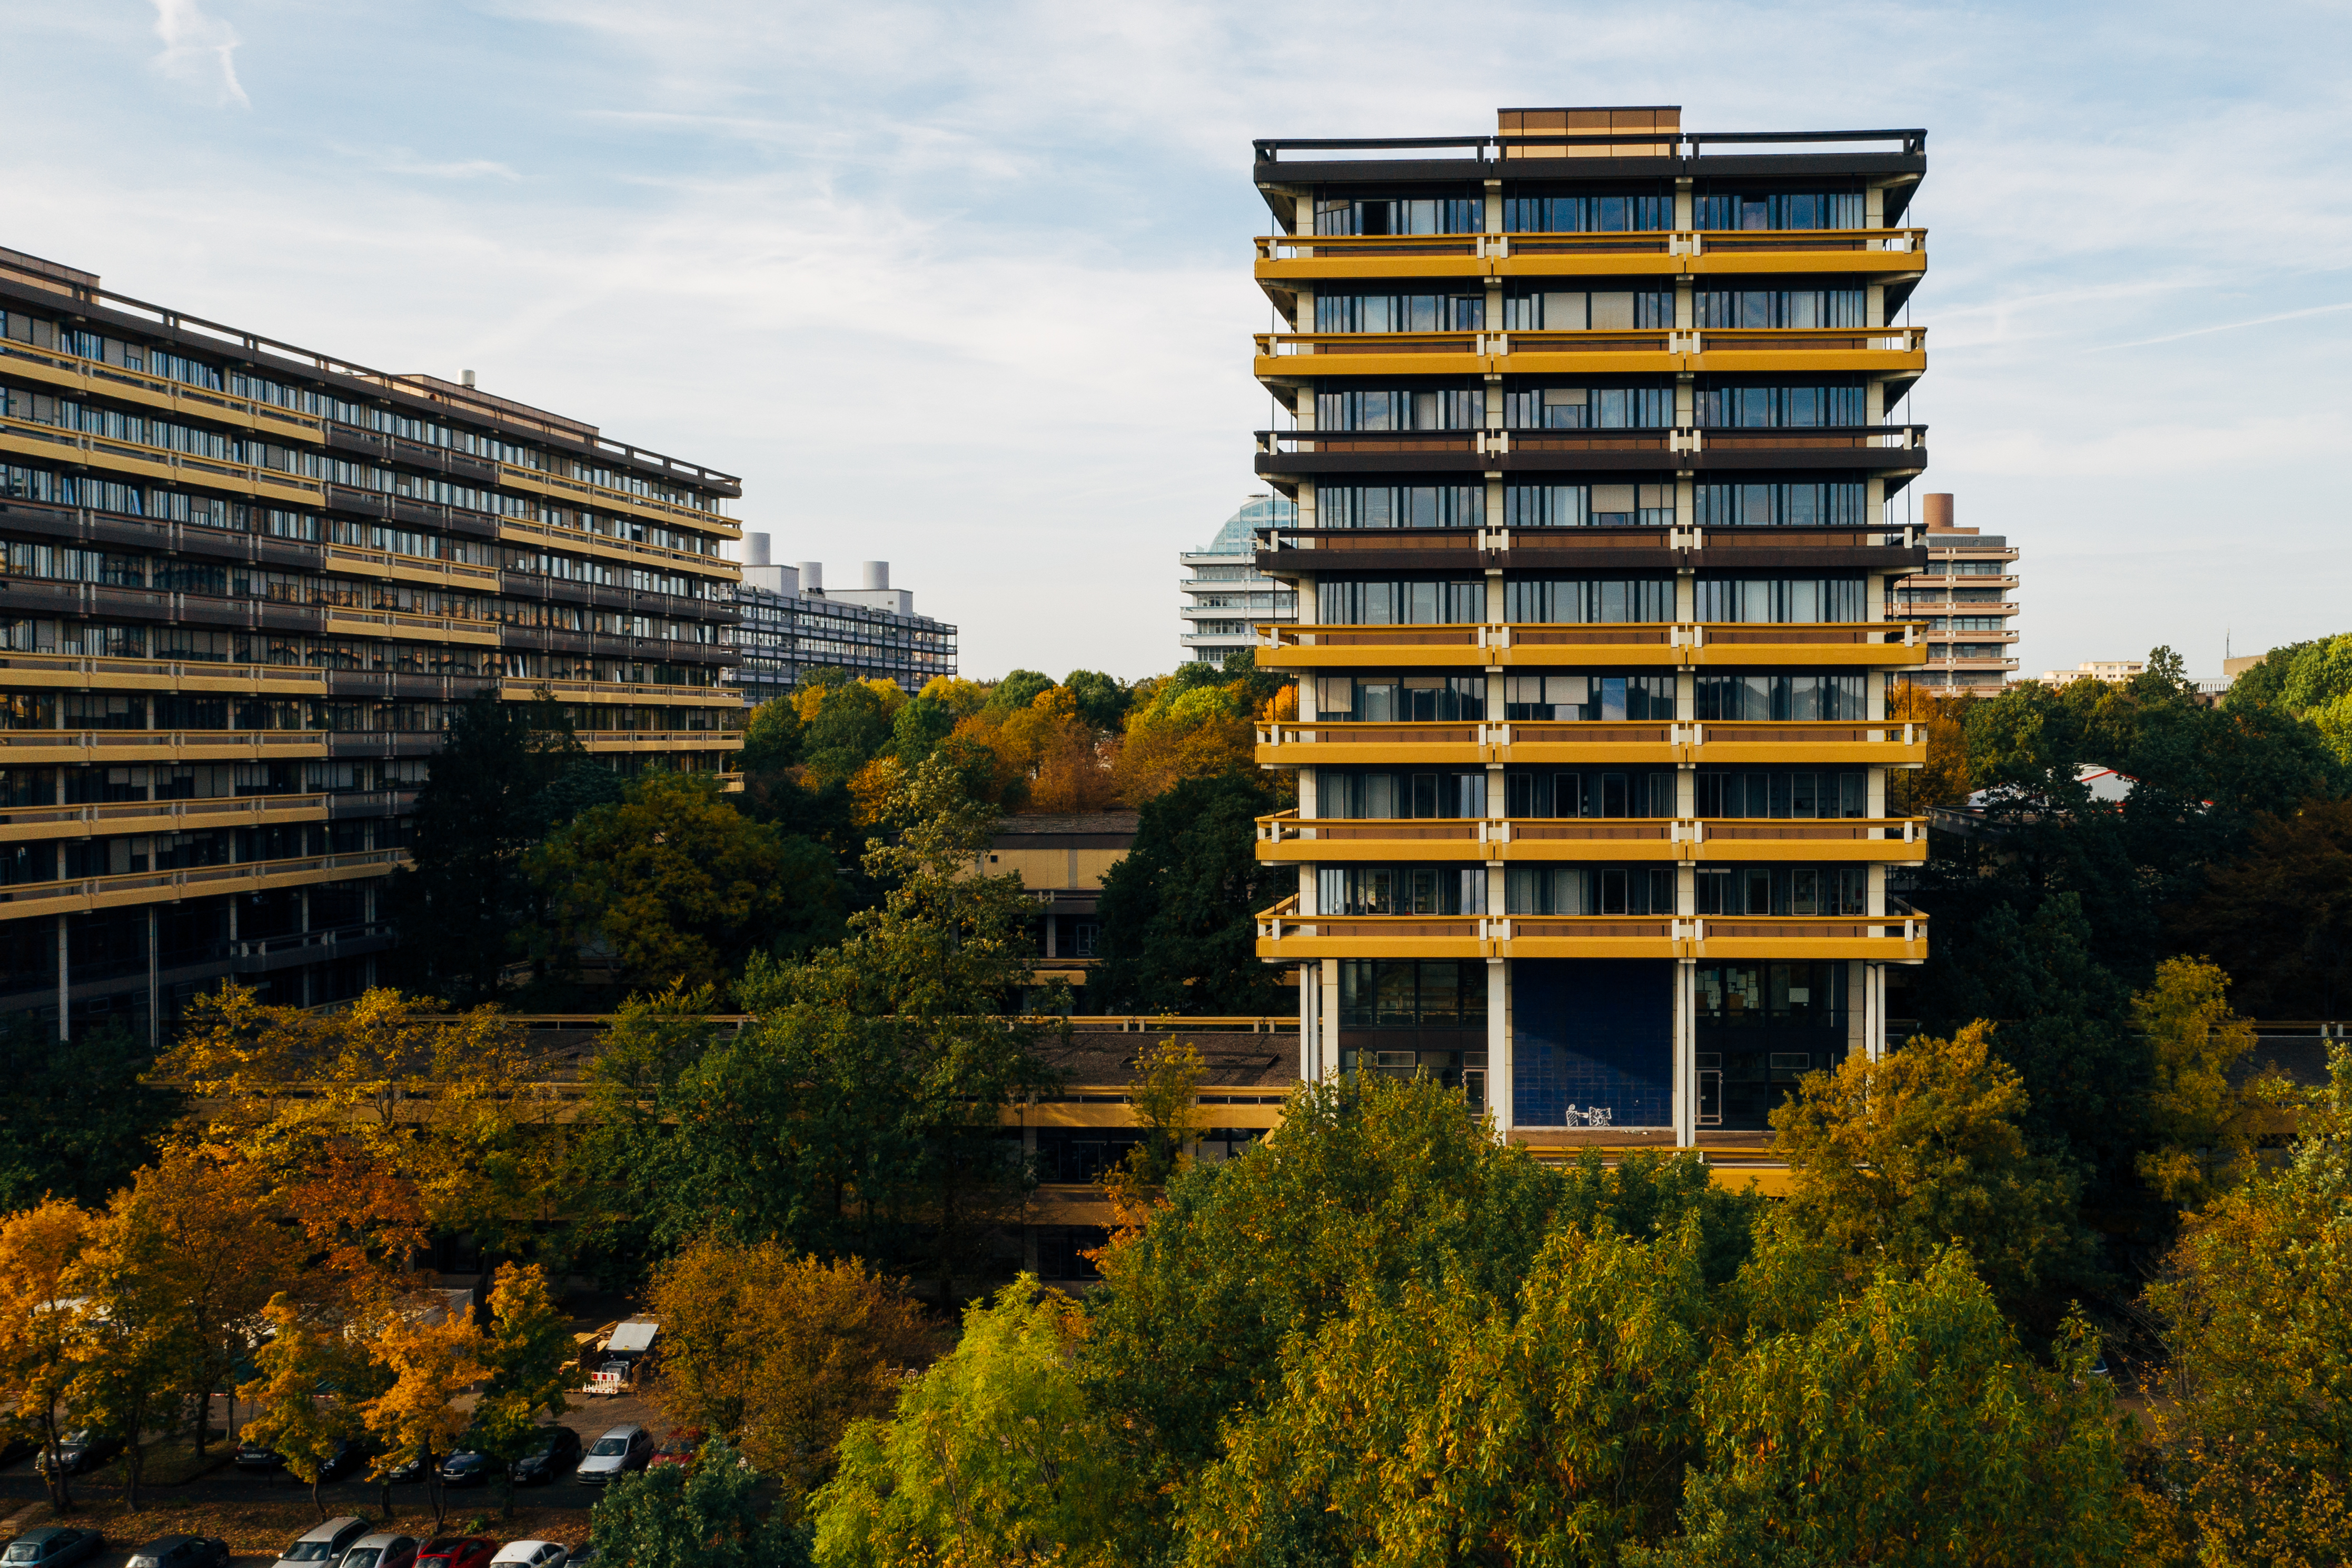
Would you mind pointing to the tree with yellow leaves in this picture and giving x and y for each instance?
(40, 1253)
(425, 1356)
(2205, 1126)
(133, 1339)
(311, 1390)
(527, 1362)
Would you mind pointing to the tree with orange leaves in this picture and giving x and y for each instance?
(40, 1249)
(1945, 780)
(425, 1356)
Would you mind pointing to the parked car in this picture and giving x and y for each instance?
(558, 1451)
(682, 1448)
(53, 1546)
(381, 1551)
(586, 1557)
(456, 1552)
(327, 1543)
(181, 1552)
(412, 1469)
(253, 1456)
(533, 1554)
(15, 1446)
(82, 1450)
(615, 1454)
(467, 1467)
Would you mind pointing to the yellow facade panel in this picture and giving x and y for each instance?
(197, 882)
(1314, 269)
(1296, 367)
(1590, 361)
(159, 817)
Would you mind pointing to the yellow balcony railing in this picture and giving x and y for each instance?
(22, 824)
(1286, 934)
(1647, 351)
(1286, 837)
(81, 894)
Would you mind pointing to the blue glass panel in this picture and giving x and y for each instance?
(1592, 1043)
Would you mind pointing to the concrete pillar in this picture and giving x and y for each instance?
(65, 1028)
(1686, 1079)
(1499, 1045)
(1327, 1019)
(155, 990)
(1308, 1037)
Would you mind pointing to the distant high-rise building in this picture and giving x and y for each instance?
(1228, 595)
(1966, 596)
(792, 625)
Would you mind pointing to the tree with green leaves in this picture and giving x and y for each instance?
(2256, 1434)
(79, 1115)
(1179, 910)
(993, 1455)
(772, 737)
(705, 1517)
(528, 1359)
(1101, 699)
(464, 905)
(678, 886)
(2204, 1126)
(1899, 1423)
(851, 727)
(1894, 1160)
(309, 1391)
(2299, 859)
(918, 729)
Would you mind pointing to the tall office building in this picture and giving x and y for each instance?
(246, 583)
(1966, 594)
(1226, 596)
(1595, 429)
(793, 625)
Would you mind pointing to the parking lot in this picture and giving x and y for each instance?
(258, 1514)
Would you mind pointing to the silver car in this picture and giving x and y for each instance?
(381, 1551)
(325, 1544)
(531, 1554)
(615, 1455)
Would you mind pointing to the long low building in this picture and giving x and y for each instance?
(244, 582)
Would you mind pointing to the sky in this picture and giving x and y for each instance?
(968, 288)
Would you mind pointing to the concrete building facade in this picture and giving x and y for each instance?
(1226, 596)
(1966, 596)
(245, 584)
(792, 623)
(1594, 423)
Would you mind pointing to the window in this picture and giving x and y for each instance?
(1530, 793)
(1409, 602)
(1528, 600)
(1582, 698)
(1726, 308)
(1747, 698)
(1966, 624)
(1442, 214)
(1823, 891)
(1589, 311)
(1587, 215)
(1800, 599)
(1782, 792)
(1590, 408)
(1400, 699)
(1773, 995)
(1588, 506)
(1807, 209)
(1778, 407)
(1831, 503)
(1359, 792)
(1083, 935)
(1400, 890)
(1399, 312)
(1589, 891)
(1401, 506)
(1422, 408)
(1405, 994)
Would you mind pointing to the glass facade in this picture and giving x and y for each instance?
(783, 635)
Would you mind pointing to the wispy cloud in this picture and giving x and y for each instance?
(199, 49)
(2227, 327)
(401, 160)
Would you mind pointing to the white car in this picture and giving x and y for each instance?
(384, 1550)
(326, 1544)
(616, 1453)
(534, 1553)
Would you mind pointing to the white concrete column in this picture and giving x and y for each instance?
(1873, 1010)
(65, 982)
(1326, 1018)
(1308, 976)
(1499, 1045)
(1686, 1101)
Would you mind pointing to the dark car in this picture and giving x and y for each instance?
(558, 1451)
(467, 1467)
(412, 1469)
(349, 1455)
(52, 1546)
(83, 1449)
(456, 1552)
(252, 1455)
(181, 1552)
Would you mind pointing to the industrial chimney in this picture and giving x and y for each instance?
(1939, 513)
(874, 574)
(812, 576)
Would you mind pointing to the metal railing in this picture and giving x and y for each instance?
(1689, 341)
(1499, 147)
(1503, 247)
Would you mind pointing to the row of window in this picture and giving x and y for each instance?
(22, 787)
(1539, 309)
(1530, 792)
(41, 333)
(1841, 891)
(1612, 213)
(1419, 994)
(1592, 407)
(178, 711)
(1716, 599)
(1783, 503)
(1646, 698)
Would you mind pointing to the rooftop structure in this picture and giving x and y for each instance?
(2114, 671)
(244, 584)
(792, 623)
(1226, 594)
(1592, 424)
(1966, 595)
